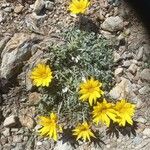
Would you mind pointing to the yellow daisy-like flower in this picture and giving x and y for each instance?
(78, 6)
(83, 131)
(90, 90)
(125, 112)
(103, 112)
(41, 75)
(50, 127)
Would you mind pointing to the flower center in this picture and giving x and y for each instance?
(91, 89)
(103, 109)
(43, 75)
(51, 123)
(83, 129)
(122, 110)
(80, 6)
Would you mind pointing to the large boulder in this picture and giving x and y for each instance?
(122, 90)
(16, 51)
(113, 24)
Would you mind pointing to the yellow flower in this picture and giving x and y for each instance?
(125, 112)
(83, 131)
(90, 90)
(41, 75)
(78, 6)
(50, 127)
(103, 112)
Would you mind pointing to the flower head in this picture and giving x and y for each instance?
(125, 112)
(90, 90)
(83, 131)
(103, 112)
(41, 75)
(50, 127)
(78, 6)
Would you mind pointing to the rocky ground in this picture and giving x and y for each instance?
(25, 33)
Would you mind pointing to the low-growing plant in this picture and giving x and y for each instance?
(80, 56)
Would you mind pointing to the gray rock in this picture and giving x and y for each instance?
(2, 16)
(14, 130)
(8, 9)
(145, 75)
(135, 87)
(146, 132)
(19, 146)
(132, 68)
(18, 8)
(3, 43)
(113, 24)
(137, 76)
(135, 62)
(35, 59)
(117, 57)
(146, 49)
(145, 57)
(25, 138)
(127, 55)
(39, 143)
(49, 5)
(126, 63)
(122, 90)
(137, 140)
(37, 127)
(141, 120)
(140, 82)
(1, 147)
(27, 121)
(38, 6)
(144, 145)
(122, 49)
(62, 146)
(118, 71)
(101, 15)
(4, 140)
(7, 146)
(47, 144)
(17, 138)
(34, 98)
(32, 21)
(5, 5)
(38, 19)
(137, 101)
(6, 132)
(107, 34)
(140, 53)
(144, 90)
(10, 121)
(129, 76)
(17, 50)
(127, 31)
(120, 37)
(20, 131)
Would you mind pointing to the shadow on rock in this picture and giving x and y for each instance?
(68, 138)
(97, 141)
(87, 24)
(5, 86)
(115, 130)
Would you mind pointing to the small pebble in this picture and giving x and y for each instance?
(39, 143)
(141, 120)
(146, 132)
